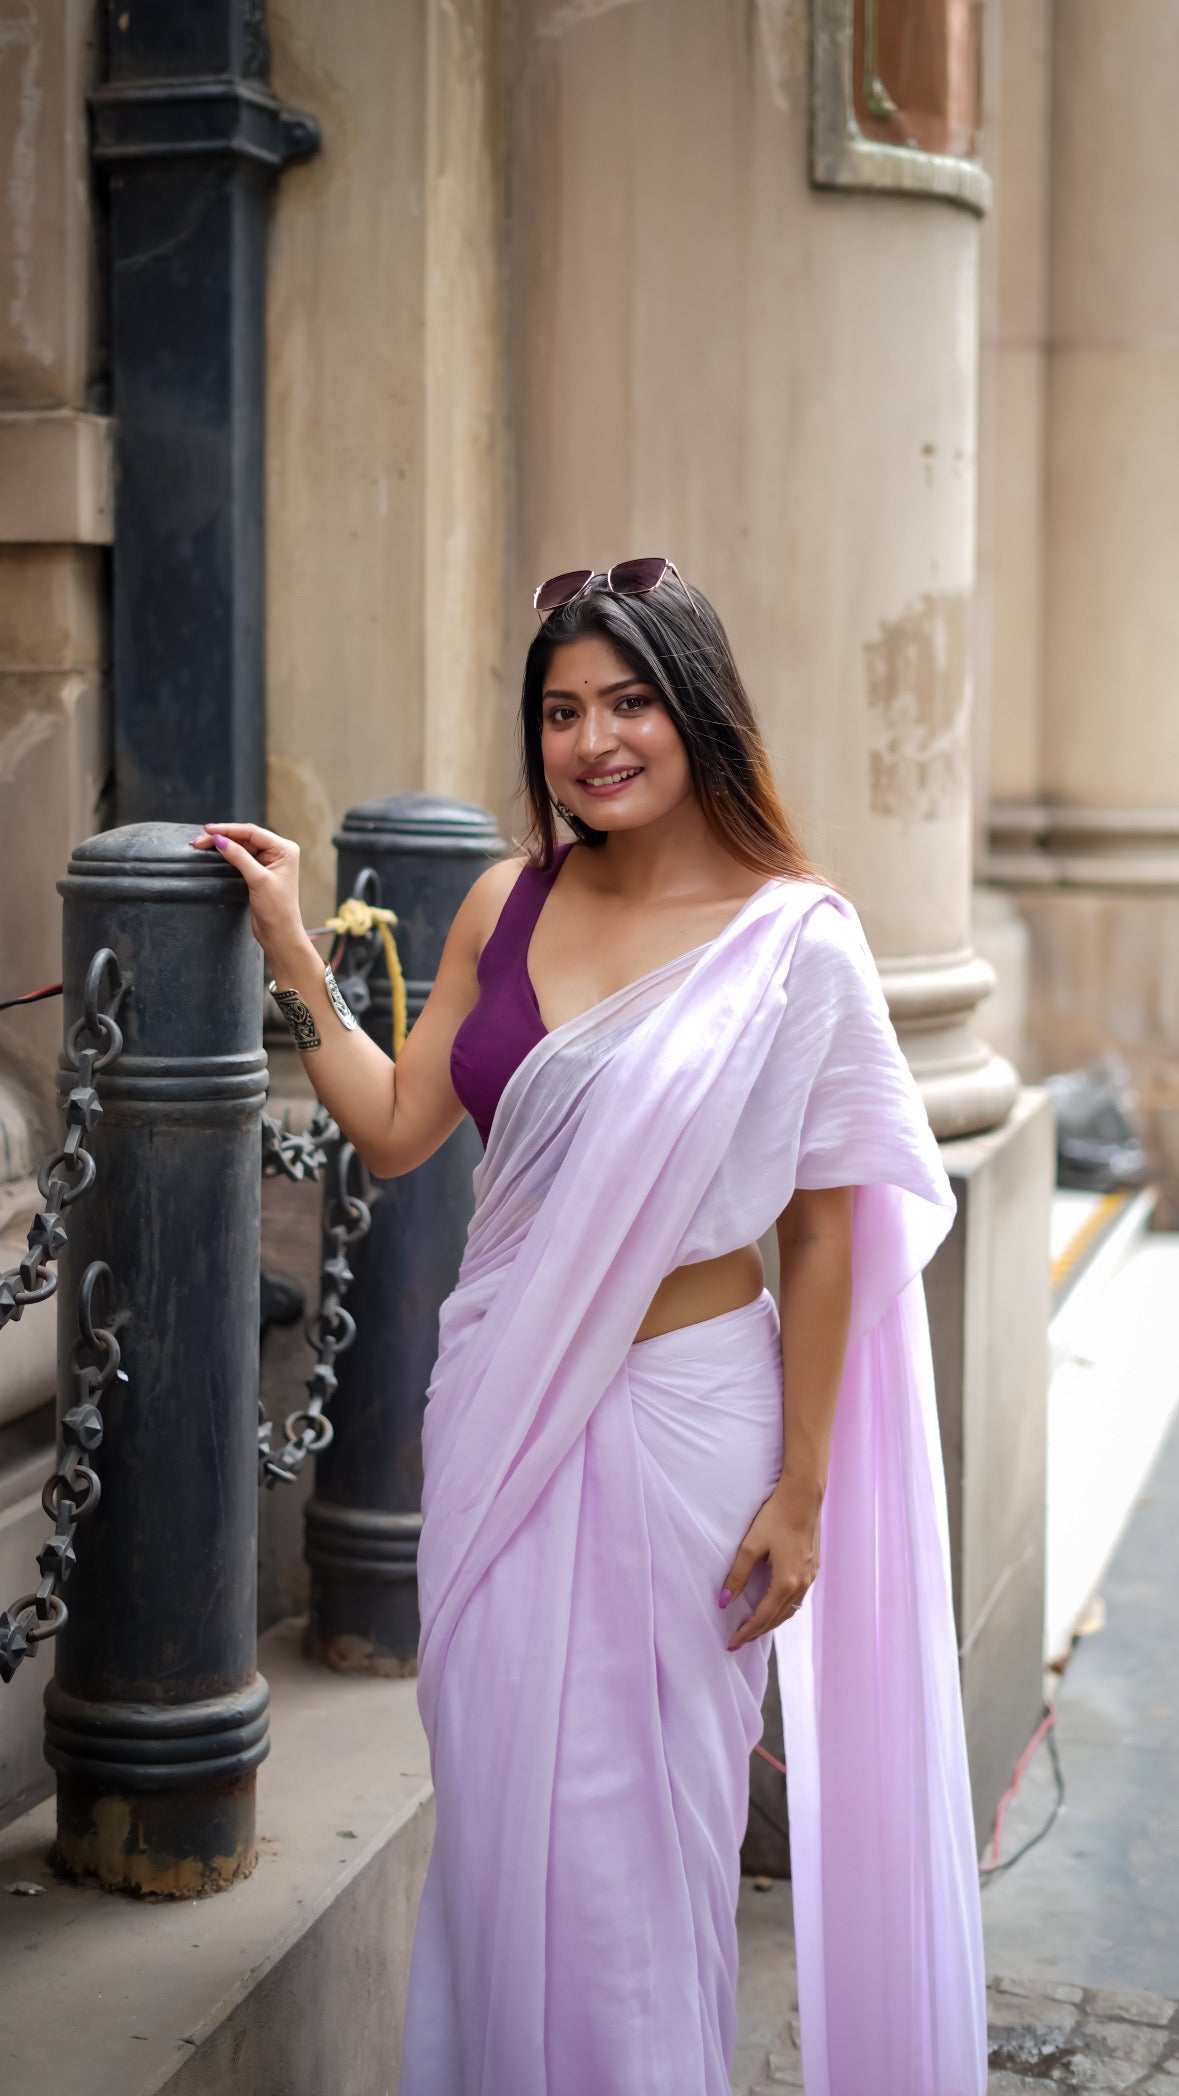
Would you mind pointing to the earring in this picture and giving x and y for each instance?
(564, 811)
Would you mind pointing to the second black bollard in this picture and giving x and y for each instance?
(364, 1520)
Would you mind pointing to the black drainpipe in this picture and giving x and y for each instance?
(189, 135)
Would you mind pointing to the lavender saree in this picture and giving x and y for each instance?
(589, 1732)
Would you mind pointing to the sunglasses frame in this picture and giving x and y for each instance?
(606, 575)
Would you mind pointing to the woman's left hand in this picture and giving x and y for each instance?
(785, 1531)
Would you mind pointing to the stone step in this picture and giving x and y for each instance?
(293, 1982)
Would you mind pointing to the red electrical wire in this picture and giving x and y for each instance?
(1045, 1725)
(31, 996)
(766, 1756)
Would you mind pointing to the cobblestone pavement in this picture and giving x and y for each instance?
(1044, 2038)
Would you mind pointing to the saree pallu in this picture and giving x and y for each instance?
(584, 1494)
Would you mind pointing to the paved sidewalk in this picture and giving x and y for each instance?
(1082, 1935)
(1096, 1904)
(1046, 2040)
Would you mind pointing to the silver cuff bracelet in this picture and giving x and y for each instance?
(301, 1019)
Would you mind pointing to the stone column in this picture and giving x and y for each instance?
(1091, 849)
(1009, 616)
(777, 386)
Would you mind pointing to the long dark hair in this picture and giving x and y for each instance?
(684, 654)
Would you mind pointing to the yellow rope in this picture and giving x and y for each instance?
(353, 919)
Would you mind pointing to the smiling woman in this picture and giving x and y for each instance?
(662, 661)
(672, 1036)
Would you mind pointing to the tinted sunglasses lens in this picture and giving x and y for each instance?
(633, 578)
(559, 588)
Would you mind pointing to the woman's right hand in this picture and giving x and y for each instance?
(269, 866)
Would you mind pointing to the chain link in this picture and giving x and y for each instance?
(288, 1155)
(322, 1153)
(69, 1171)
(72, 1491)
(347, 1216)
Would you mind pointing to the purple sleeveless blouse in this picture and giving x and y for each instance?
(504, 1022)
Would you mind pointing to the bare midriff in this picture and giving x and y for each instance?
(689, 1294)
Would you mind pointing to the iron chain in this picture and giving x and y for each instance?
(73, 1489)
(322, 1152)
(346, 1219)
(69, 1171)
(289, 1155)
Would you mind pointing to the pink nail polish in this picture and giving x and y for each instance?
(222, 843)
(725, 1597)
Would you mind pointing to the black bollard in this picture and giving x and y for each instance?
(362, 1524)
(157, 1718)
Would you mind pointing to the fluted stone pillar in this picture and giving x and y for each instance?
(779, 391)
(1089, 842)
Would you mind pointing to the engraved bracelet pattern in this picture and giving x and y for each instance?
(343, 1011)
(299, 1017)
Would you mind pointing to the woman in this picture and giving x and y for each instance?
(672, 1036)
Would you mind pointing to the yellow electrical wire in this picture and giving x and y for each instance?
(353, 919)
(1078, 1244)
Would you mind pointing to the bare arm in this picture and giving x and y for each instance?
(814, 1245)
(395, 1117)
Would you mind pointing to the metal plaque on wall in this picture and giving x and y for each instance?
(896, 97)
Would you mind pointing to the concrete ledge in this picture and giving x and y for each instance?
(290, 1984)
(988, 1290)
(55, 479)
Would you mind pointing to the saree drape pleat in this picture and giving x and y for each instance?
(584, 1495)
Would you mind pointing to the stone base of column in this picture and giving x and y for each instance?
(965, 1085)
(988, 1295)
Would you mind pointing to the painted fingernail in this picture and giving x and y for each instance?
(725, 1597)
(222, 843)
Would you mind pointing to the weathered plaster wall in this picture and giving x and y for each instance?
(384, 415)
(54, 518)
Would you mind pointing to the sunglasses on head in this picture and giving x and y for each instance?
(629, 578)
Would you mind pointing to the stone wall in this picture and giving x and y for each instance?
(384, 417)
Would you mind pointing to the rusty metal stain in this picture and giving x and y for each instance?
(109, 1845)
(346, 1653)
(918, 678)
